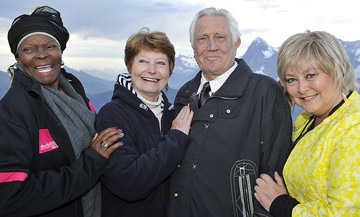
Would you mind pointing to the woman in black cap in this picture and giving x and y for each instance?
(51, 157)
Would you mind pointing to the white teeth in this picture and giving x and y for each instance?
(311, 97)
(41, 67)
(44, 69)
(149, 79)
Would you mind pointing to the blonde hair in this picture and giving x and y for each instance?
(317, 49)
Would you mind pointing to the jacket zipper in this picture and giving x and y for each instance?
(220, 97)
(246, 196)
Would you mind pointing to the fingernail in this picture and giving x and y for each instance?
(113, 128)
(120, 130)
(121, 142)
(121, 134)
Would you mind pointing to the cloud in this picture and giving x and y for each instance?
(115, 19)
(111, 19)
(99, 30)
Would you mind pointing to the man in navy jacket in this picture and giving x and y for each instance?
(242, 130)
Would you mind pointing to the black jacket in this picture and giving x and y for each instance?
(243, 130)
(135, 181)
(40, 177)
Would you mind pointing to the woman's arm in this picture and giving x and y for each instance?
(132, 174)
(343, 186)
(26, 193)
(273, 195)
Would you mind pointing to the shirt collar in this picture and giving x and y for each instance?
(218, 81)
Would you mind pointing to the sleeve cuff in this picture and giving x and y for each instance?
(282, 206)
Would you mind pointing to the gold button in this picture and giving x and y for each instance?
(178, 166)
(176, 195)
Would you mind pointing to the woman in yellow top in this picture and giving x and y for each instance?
(322, 174)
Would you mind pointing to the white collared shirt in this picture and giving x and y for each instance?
(217, 82)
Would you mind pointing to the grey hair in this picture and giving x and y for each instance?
(211, 11)
(317, 49)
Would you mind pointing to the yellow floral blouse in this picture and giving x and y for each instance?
(323, 170)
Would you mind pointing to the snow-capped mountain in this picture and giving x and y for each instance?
(262, 58)
(185, 69)
(353, 51)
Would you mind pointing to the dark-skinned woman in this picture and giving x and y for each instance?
(51, 155)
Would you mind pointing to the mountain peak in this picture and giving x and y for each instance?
(259, 41)
(188, 61)
(260, 48)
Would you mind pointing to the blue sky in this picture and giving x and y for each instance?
(99, 30)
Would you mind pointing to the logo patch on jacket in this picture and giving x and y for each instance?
(46, 142)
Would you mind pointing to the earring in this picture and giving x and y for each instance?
(167, 87)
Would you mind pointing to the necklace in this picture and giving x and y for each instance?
(312, 117)
(302, 134)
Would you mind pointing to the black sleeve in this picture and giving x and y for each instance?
(276, 131)
(27, 193)
(132, 174)
(283, 205)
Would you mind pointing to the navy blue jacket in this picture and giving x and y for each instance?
(243, 130)
(39, 175)
(135, 181)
